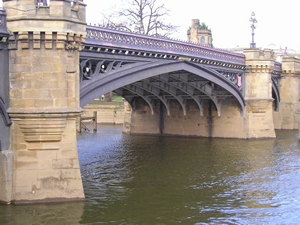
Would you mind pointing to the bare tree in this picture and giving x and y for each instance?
(142, 16)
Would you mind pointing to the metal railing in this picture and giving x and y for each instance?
(3, 14)
(106, 36)
(278, 67)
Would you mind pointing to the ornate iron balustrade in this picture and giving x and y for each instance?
(100, 36)
(3, 29)
(278, 67)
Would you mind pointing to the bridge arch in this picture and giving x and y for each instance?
(104, 83)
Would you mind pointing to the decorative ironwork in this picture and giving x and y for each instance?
(100, 36)
(236, 78)
(90, 68)
(3, 29)
(277, 68)
(253, 20)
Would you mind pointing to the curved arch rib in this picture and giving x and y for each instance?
(128, 99)
(205, 89)
(155, 92)
(138, 92)
(188, 91)
(169, 90)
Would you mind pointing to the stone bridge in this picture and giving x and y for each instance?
(52, 64)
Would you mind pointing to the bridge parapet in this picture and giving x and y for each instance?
(102, 36)
(3, 28)
(278, 67)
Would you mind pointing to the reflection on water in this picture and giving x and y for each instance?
(166, 180)
(42, 214)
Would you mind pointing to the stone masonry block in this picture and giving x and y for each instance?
(62, 163)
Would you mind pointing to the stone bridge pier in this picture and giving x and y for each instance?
(287, 118)
(258, 93)
(44, 46)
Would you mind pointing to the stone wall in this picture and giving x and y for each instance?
(106, 113)
(231, 123)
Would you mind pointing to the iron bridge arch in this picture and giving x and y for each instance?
(159, 69)
(162, 80)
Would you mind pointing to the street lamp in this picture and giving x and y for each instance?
(253, 20)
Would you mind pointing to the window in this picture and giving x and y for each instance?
(202, 40)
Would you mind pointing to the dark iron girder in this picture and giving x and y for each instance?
(4, 113)
(186, 90)
(155, 92)
(276, 77)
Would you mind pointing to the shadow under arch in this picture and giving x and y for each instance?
(99, 85)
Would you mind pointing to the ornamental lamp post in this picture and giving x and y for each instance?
(253, 20)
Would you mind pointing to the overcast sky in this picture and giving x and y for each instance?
(278, 20)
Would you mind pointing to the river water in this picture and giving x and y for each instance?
(170, 180)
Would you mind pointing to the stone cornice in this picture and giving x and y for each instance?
(290, 73)
(46, 19)
(47, 40)
(259, 69)
(50, 113)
